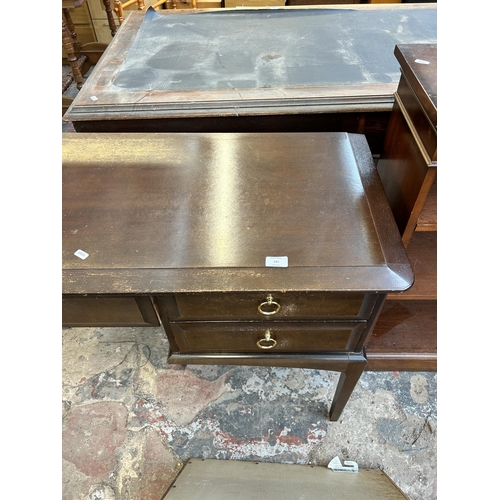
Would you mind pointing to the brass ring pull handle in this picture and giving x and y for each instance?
(270, 342)
(270, 302)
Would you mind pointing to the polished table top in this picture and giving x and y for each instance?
(202, 212)
(253, 61)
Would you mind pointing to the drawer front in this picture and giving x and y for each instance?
(266, 337)
(96, 310)
(277, 305)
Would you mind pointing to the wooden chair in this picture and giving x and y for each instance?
(119, 6)
(80, 57)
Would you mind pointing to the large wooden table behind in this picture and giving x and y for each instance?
(296, 69)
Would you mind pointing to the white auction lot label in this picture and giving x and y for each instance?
(276, 261)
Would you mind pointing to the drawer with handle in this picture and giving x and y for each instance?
(273, 306)
(267, 337)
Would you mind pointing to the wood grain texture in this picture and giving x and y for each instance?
(428, 218)
(292, 306)
(121, 310)
(200, 212)
(404, 337)
(300, 338)
(229, 479)
(422, 252)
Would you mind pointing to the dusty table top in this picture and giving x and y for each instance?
(185, 63)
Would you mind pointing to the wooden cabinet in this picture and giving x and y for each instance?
(201, 224)
(406, 334)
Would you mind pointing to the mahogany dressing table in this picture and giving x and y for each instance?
(251, 249)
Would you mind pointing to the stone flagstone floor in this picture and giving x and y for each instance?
(130, 421)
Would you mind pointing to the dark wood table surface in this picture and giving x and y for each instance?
(157, 210)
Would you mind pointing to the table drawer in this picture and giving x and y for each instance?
(269, 306)
(98, 310)
(267, 337)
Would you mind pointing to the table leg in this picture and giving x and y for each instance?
(347, 382)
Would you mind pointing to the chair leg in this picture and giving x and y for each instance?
(75, 63)
(68, 21)
(109, 14)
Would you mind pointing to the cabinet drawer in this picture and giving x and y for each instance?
(282, 337)
(290, 305)
(97, 310)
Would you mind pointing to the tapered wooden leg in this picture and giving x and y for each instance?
(346, 385)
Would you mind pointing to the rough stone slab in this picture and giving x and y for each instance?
(131, 421)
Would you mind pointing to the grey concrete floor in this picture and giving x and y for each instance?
(130, 420)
